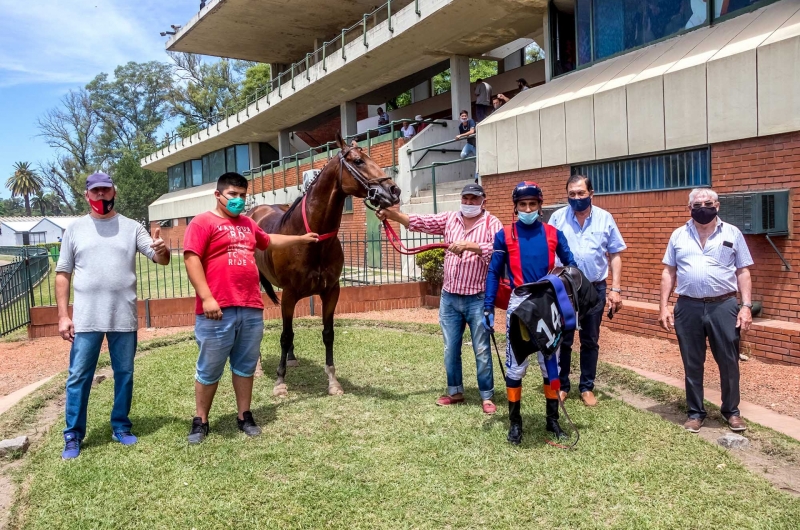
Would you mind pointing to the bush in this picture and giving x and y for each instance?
(432, 264)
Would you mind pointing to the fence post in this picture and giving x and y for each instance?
(147, 313)
(311, 304)
(433, 187)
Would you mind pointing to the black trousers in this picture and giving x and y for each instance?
(695, 321)
(589, 335)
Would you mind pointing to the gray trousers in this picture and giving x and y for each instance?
(694, 321)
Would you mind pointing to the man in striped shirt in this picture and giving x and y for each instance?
(470, 234)
(709, 259)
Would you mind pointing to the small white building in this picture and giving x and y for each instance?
(16, 231)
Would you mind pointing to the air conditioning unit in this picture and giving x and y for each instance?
(547, 211)
(757, 212)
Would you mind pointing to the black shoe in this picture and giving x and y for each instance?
(553, 427)
(199, 431)
(515, 433)
(248, 424)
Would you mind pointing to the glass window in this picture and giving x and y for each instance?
(726, 7)
(583, 14)
(206, 169)
(242, 159)
(175, 176)
(230, 159)
(686, 169)
(217, 164)
(197, 172)
(348, 204)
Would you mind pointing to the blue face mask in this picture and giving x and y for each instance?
(579, 205)
(235, 206)
(528, 217)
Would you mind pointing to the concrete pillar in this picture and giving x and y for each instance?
(460, 93)
(421, 91)
(515, 60)
(347, 111)
(284, 146)
(255, 154)
(548, 68)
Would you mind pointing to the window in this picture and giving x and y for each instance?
(585, 31)
(175, 177)
(166, 223)
(216, 165)
(206, 169)
(348, 204)
(197, 172)
(230, 159)
(242, 159)
(684, 169)
(189, 220)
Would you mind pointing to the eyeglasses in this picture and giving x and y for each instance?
(707, 204)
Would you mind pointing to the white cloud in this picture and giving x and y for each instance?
(70, 42)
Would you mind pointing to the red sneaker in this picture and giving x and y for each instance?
(445, 401)
(489, 408)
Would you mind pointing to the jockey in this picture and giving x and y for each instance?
(526, 250)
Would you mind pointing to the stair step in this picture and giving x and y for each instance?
(445, 188)
(440, 197)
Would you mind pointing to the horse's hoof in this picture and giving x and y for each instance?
(280, 390)
(335, 390)
(293, 364)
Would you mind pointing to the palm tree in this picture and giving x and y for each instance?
(40, 201)
(24, 182)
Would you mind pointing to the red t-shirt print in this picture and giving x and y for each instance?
(226, 249)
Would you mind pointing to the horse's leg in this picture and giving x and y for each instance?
(288, 302)
(329, 301)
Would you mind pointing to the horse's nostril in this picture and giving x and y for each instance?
(394, 190)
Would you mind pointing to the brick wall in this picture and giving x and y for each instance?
(646, 220)
(174, 234)
(171, 312)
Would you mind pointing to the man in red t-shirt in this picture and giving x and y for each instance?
(219, 248)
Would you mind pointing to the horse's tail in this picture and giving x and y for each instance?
(269, 289)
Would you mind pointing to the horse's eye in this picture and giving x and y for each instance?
(359, 162)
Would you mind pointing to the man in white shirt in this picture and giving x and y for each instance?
(483, 99)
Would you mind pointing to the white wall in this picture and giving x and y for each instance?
(734, 80)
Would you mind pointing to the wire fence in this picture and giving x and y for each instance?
(367, 261)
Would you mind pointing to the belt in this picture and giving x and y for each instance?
(710, 299)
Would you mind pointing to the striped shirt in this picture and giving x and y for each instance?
(465, 274)
(710, 271)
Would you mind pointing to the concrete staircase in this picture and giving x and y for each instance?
(448, 198)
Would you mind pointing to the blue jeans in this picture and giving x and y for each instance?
(455, 313)
(589, 335)
(467, 151)
(82, 364)
(236, 337)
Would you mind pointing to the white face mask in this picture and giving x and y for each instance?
(464, 119)
(471, 210)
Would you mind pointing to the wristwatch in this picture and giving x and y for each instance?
(748, 306)
(616, 290)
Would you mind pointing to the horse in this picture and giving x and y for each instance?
(315, 269)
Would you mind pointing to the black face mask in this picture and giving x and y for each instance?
(704, 215)
(102, 206)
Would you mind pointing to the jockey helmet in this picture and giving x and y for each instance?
(527, 189)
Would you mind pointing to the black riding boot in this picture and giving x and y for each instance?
(552, 419)
(515, 430)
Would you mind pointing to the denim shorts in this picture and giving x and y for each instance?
(236, 337)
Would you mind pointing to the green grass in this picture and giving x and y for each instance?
(383, 455)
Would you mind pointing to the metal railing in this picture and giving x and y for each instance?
(300, 68)
(368, 261)
(27, 268)
(433, 148)
(433, 167)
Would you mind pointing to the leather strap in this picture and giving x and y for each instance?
(322, 237)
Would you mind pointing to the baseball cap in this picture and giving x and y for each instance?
(99, 180)
(473, 189)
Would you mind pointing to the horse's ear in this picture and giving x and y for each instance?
(340, 141)
(353, 144)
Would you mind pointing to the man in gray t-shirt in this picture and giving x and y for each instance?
(100, 251)
(483, 100)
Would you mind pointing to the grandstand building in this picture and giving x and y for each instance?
(650, 98)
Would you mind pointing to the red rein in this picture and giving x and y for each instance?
(322, 237)
(398, 245)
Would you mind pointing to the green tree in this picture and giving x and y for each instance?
(478, 69)
(39, 202)
(12, 207)
(256, 77)
(132, 107)
(24, 182)
(136, 188)
(533, 53)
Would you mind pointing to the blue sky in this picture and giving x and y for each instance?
(48, 47)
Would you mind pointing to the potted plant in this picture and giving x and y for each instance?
(431, 262)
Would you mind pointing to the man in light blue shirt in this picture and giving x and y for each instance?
(709, 260)
(596, 244)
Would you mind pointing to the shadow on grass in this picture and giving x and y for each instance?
(142, 426)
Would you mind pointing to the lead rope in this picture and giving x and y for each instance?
(395, 240)
(560, 404)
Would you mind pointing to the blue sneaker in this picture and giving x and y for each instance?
(125, 438)
(72, 446)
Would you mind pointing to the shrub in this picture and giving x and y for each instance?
(432, 264)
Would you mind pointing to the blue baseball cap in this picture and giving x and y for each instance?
(99, 180)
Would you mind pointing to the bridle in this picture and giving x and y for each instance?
(361, 180)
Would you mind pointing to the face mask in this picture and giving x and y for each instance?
(471, 210)
(528, 217)
(579, 205)
(704, 215)
(464, 120)
(101, 206)
(234, 206)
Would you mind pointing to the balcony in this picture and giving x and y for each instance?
(420, 35)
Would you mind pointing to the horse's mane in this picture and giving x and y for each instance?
(288, 213)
